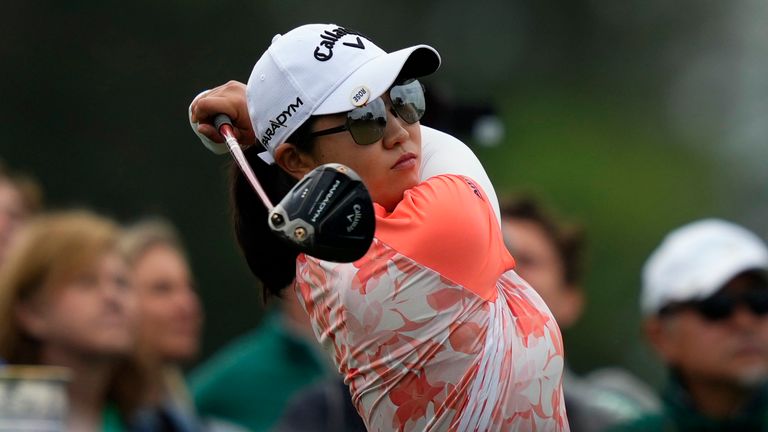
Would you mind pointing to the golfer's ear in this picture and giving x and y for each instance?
(293, 161)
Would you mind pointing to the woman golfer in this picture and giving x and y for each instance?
(432, 329)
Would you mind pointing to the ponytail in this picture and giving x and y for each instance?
(271, 259)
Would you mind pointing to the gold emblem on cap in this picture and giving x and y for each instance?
(360, 96)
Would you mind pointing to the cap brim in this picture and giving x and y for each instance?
(379, 74)
(723, 275)
(710, 282)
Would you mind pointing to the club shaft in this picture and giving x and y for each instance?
(237, 153)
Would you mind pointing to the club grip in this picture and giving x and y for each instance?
(220, 120)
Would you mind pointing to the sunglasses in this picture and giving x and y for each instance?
(722, 305)
(366, 124)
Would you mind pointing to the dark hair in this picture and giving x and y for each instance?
(568, 239)
(271, 259)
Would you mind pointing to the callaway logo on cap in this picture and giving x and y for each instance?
(321, 69)
(330, 37)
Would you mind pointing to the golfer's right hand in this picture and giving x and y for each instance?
(226, 99)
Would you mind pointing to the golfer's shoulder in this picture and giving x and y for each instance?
(459, 193)
(445, 220)
(449, 166)
(438, 203)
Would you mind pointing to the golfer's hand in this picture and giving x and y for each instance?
(226, 99)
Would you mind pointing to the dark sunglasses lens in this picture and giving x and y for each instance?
(408, 101)
(367, 123)
(716, 307)
(757, 300)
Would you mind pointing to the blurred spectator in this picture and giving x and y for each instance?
(549, 255)
(20, 198)
(65, 301)
(323, 407)
(251, 380)
(171, 316)
(705, 301)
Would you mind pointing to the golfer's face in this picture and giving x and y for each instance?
(388, 167)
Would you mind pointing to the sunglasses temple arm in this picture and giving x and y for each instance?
(223, 124)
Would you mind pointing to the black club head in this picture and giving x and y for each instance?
(328, 215)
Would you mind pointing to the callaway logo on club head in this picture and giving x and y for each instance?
(279, 121)
(324, 50)
(354, 217)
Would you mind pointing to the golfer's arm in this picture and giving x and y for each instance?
(444, 154)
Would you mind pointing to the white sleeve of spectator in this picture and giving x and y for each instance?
(443, 154)
(218, 148)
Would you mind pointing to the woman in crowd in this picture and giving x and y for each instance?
(65, 300)
(171, 316)
(431, 329)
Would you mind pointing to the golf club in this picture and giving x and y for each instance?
(328, 214)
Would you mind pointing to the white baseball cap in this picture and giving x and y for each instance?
(695, 261)
(320, 69)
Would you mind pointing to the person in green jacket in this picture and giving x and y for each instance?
(250, 381)
(705, 302)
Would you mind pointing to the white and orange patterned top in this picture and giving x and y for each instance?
(432, 329)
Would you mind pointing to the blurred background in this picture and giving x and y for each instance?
(630, 117)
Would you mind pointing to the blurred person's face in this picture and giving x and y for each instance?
(538, 262)
(170, 310)
(12, 214)
(731, 348)
(93, 314)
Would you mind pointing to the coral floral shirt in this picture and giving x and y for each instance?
(432, 329)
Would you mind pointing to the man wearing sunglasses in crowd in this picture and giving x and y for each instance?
(705, 301)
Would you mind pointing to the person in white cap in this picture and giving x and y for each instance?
(431, 329)
(705, 301)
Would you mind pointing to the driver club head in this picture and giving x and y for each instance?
(328, 215)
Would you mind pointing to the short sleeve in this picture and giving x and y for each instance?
(447, 224)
